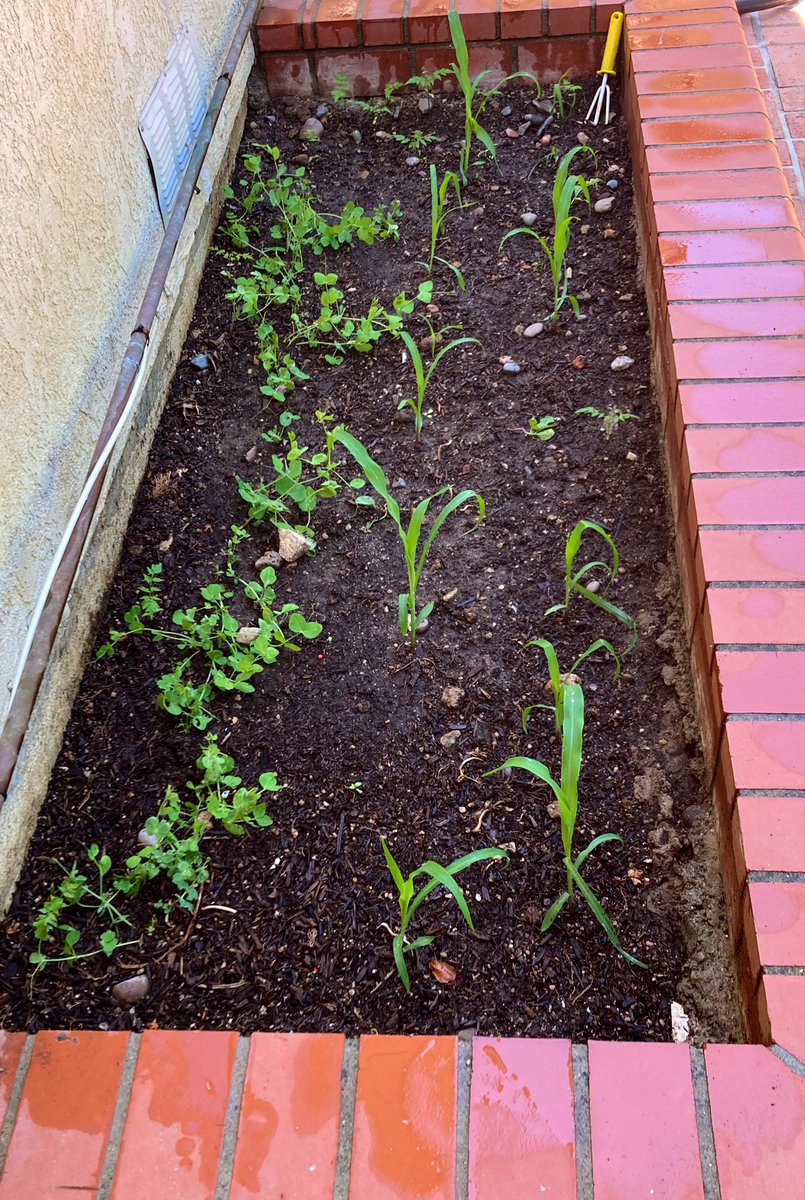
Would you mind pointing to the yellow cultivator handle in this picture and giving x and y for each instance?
(613, 41)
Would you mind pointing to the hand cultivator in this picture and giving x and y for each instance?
(602, 97)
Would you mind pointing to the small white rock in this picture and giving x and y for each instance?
(582, 138)
(292, 545)
(531, 331)
(622, 363)
(452, 696)
(145, 838)
(631, 456)
(269, 559)
(451, 737)
(680, 1023)
(593, 586)
(604, 204)
(247, 634)
(528, 218)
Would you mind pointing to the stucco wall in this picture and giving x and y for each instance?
(79, 230)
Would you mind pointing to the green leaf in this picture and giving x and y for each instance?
(601, 915)
(554, 911)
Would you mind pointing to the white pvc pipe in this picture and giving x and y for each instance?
(75, 515)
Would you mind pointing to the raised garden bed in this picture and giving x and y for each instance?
(289, 930)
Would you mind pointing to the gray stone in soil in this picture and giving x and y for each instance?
(528, 218)
(506, 111)
(322, 110)
(312, 130)
(512, 368)
(130, 991)
(622, 363)
(201, 361)
(531, 331)
(604, 204)
(412, 161)
(356, 136)
(425, 104)
(613, 185)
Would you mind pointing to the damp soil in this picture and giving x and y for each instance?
(291, 931)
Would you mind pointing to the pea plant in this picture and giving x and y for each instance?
(574, 577)
(411, 617)
(208, 633)
(610, 420)
(170, 850)
(567, 190)
(559, 679)
(409, 900)
(423, 376)
(543, 428)
(566, 792)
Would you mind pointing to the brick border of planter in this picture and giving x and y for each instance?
(304, 44)
(321, 1117)
(384, 1118)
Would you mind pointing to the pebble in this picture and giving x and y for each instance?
(594, 586)
(545, 140)
(269, 559)
(512, 368)
(631, 456)
(622, 363)
(613, 185)
(531, 331)
(312, 130)
(582, 138)
(512, 133)
(610, 233)
(382, 136)
(451, 737)
(322, 110)
(604, 204)
(425, 104)
(506, 111)
(584, 228)
(144, 838)
(356, 136)
(523, 128)
(412, 161)
(202, 361)
(251, 454)
(247, 634)
(301, 159)
(292, 545)
(528, 218)
(129, 991)
(692, 814)
(452, 696)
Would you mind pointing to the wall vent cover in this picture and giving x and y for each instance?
(171, 119)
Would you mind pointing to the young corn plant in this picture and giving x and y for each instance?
(559, 680)
(573, 577)
(423, 377)
(565, 93)
(410, 615)
(567, 190)
(409, 900)
(475, 98)
(439, 193)
(566, 792)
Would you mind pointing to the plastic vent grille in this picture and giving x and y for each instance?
(171, 119)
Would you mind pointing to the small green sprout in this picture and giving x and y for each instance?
(542, 428)
(560, 679)
(424, 377)
(610, 419)
(573, 577)
(409, 901)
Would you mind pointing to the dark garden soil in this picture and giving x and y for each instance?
(290, 931)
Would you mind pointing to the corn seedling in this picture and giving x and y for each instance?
(410, 901)
(438, 214)
(411, 616)
(559, 679)
(424, 377)
(610, 420)
(566, 792)
(567, 189)
(475, 98)
(573, 577)
(565, 95)
(541, 427)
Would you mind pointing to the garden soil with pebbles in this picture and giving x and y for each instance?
(291, 929)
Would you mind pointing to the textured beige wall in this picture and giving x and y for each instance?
(79, 231)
